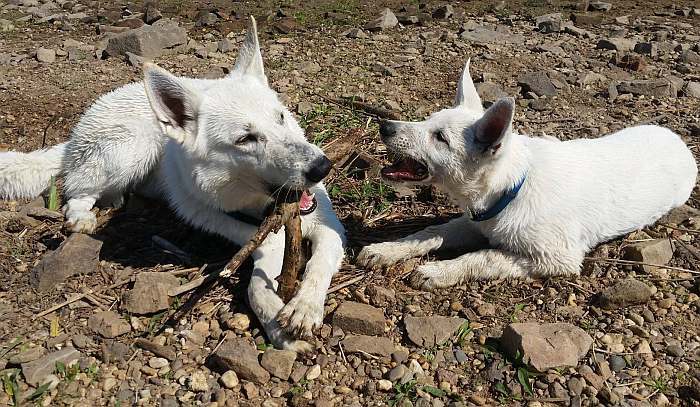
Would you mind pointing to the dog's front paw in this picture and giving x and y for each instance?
(432, 275)
(382, 255)
(301, 316)
(84, 222)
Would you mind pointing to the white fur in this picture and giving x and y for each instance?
(208, 147)
(577, 193)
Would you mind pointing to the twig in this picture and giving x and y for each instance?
(652, 120)
(78, 297)
(686, 230)
(378, 112)
(174, 292)
(346, 283)
(292, 252)
(689, 248)
(640, 263)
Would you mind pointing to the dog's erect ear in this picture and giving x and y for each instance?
(174, 104)
(494, 125)
(249, 61)
(467, 95)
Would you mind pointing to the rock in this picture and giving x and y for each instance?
(443, 12)
(577, 32)
(279, 362)
(397, 373)
(489, 35)
(28, 355)
(313, 373)
(586, 20)
(591, 377)
(690, 57)
(149, 41)
(198, 381)
(384, 385)
(657, 251)
(229, 379)
(386, 20)
(224, 46)
(647, 48)
(130, 22)
(151, 14)
(617, 44)
(680, 215)
(239, 322)
(205, 18)
(77, 254)
(310, 68)
(164, 351)
(370, 344)
(6, 25)
(356, 33)
(599, 6)
(383, 69)
(150, 293)
(359, 318)
(427, 332)
(538, 83)
(652, 87)
(39, 212)
(624, 20)
(617, 363)
(489, 93)
(241, 356)
(643, 348)
(381, 296)
(549, 23)
(546, 346)
(108, 324)
(675, 350)
(408, 19)
(158, 363)
(692, 89)
(46, 55)
(624, 293)
(135, 60)
(36, 371)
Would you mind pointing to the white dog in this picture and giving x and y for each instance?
(538, 204)
(217, 151)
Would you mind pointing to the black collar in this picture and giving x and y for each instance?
(255, 221)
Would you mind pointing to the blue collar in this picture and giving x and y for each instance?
(501, 204)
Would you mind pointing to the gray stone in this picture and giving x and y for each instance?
(430, 331)
(692, 89)
(374, 345)
(546, 346)
(617, 44)
(36, 371)
(652, 87)
(489, 35)
(6, 25)
(549, 23)
(443, 12)
(79, 254)
(397, 373)
(657, 251)
(538, 83)
(647, 48)
(381, 296)
(151, 14)
(46, 55)
(599, 6)
(386, 20)
(356, 33)
(224, 46)
(624, 293)
(617, 363)
(279, 362)
(675, 350)
(108, 324)
(489, 93)
(359, 318)
(150, 293)
(149, 41)
(28, 355)
(163, 351)
(241, 356)
(206, 18)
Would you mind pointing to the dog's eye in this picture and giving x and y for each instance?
(281, 119)
(248, 138)
(440, 136)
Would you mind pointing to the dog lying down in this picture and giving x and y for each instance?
(538, 204)
(217, 151)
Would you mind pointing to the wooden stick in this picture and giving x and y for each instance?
(640, 263)
(378, 112)
(292, 252)
(78, 297)
(271, 224)
(346, 283)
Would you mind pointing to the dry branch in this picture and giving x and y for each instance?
(292, 251)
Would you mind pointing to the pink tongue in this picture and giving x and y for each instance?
(306, 201)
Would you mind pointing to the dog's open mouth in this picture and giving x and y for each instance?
(307, 202)
(405, 169)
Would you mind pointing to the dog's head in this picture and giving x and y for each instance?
(235, 130)
(454, 147)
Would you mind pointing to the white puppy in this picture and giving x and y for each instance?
(537, 203)
(217, 151)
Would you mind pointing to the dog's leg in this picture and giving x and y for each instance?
(483, 264)
(262, 295)
(458, 233)
(304, 313)
(79, 218)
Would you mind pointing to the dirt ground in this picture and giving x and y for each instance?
(411, 69)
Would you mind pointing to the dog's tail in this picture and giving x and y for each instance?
(27, 175)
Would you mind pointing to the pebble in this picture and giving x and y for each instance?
(158, 363)
(313, 373)
(229, 379)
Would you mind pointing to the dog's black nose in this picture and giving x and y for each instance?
(319, 169)
(387, 128)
